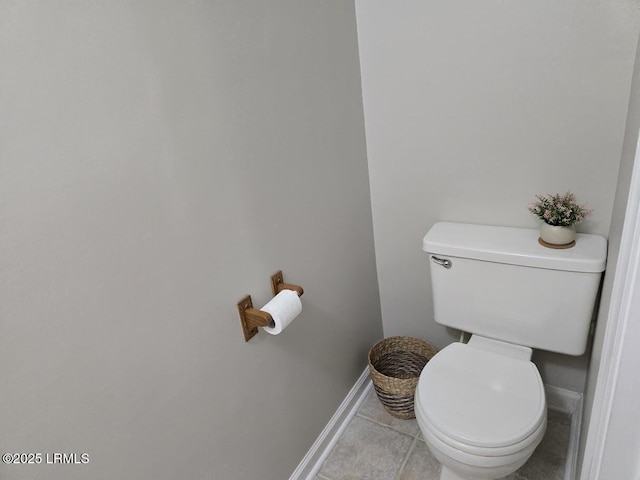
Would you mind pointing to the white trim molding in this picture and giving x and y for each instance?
(618, 354)
(319, 451)
(571, 403)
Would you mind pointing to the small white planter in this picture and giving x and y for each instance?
(557, 235)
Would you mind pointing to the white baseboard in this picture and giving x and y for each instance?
(571, 403)
(319, 451)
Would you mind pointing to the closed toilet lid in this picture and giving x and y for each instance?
(480, 397)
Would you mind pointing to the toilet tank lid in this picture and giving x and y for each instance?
(515, 246)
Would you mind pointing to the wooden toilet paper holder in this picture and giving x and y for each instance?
(252, 318)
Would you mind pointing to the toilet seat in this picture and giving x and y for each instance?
(474, 455)
(480, 400)
(483, 458)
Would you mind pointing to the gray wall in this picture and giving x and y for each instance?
(159, 161)
(615, 234)
(471, 108)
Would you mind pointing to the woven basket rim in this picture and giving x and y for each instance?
(400, 344)
(403, 343)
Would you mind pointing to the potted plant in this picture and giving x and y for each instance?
(560, 214)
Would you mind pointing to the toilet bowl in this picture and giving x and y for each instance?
(481, 408)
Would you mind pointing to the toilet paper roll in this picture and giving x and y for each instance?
(284, 307)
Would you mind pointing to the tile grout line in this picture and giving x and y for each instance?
(406, 458)
(418, 434)
(372, 420)
(414, 441)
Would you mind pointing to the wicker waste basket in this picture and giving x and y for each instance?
(395, 364)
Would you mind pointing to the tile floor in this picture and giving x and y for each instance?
(377, 446)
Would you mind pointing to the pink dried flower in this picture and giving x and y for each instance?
(561, 210)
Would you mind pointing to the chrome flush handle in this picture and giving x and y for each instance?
(441, 261)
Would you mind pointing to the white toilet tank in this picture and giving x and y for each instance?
(499, 282)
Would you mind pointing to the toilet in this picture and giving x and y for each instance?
(481, 405)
